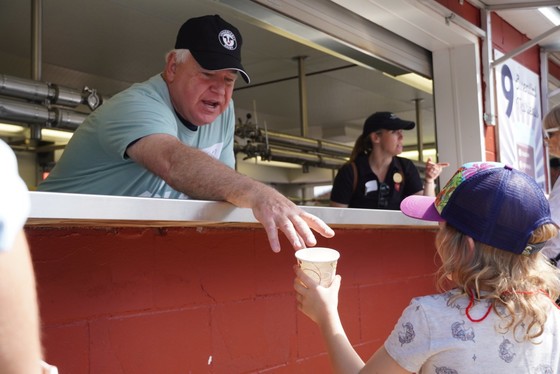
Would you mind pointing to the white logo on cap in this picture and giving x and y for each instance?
(227, 39)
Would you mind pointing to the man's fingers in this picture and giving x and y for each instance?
(303, 232)
(318, 225)
(272, 234)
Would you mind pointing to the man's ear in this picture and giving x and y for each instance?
(170, 67)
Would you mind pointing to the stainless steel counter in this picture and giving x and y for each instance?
(51, 208)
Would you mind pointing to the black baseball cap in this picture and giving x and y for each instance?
(214, 43)
(386, 121)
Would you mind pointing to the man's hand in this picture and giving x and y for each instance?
(276, 212)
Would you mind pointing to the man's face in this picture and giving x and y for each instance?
(198, 95)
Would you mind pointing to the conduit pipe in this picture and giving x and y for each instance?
(36, 55)
(300, 143)
(41, 91)
(18, 111)
(311, 159)
(271, 153)
(309, 144)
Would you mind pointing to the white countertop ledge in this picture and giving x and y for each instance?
(48, 208)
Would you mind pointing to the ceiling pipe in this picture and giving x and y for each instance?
(36, 57)
(525, 46)
(39, 91)
(419, 134)
(292, 77)
(38, 115)
(293, 156)
(302, 85)
(255, 134)
(309, 159)
(309, 144)
(36, 38)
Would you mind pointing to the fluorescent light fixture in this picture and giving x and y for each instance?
(57, 134)
(414, 80)
(47, 134)
(552, 13)
(413, 155)
(10, 129)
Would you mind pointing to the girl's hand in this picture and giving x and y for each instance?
(315, 301)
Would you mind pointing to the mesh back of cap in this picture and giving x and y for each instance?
(502, 208)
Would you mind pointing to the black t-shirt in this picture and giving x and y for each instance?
(402, 180)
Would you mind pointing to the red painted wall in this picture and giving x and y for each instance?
(211, 300)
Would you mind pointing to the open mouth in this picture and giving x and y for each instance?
(211, 104)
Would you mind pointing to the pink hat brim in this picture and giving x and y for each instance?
(421, 207)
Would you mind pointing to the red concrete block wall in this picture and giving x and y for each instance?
(211, 300)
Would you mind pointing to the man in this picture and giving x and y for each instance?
(172, 137)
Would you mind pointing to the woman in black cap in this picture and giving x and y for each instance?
(375, 177)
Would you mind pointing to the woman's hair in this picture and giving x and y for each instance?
(513, 283)
(552, 118)
(363, 145)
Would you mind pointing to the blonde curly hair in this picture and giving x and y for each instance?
(513, 283)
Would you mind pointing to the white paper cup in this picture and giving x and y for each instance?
(319, 263)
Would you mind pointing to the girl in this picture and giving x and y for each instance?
(499, 317)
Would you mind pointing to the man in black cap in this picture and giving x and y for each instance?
(375, 177)
(172, 137)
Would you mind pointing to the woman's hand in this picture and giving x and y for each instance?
(433, 170)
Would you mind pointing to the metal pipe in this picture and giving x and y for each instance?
(35, 114)
(68, 119)
(25, 88)
(544, 81)
(251, 133)
(419, 129)
(36, 38)
(272, 153)
(274, 81)
(302, 96)
(36, 56)
(39, 91)
(11, 110)
(522, 48)
(309, 144)
(487, 70)
(279, 154)
(525, 5)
